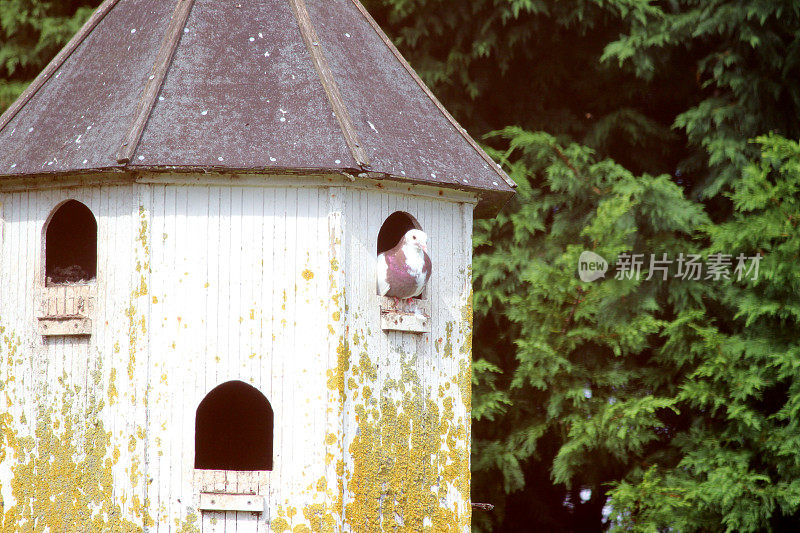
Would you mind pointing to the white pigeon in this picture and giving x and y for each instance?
(404, 270)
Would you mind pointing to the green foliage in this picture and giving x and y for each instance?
(681, 395)
(31, 33)
(9, 91)
(736, 467)
(746, 63)
(583, 370)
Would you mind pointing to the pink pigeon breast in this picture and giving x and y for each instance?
(404, 270)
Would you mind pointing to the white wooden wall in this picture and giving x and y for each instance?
(395, 366)
(201, 284)
(60, 381)
(238, 291)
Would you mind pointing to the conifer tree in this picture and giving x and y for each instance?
(569, 389)
(745, 57)
(31, 33)
(734, 465)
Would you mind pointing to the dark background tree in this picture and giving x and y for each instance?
(585, 391)
(620, 404)
(31, 33)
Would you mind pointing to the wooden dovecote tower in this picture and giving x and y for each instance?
(193, 195)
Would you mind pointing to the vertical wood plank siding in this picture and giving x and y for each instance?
(418, 375)
(198, 285)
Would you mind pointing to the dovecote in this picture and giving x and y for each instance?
(193, 195)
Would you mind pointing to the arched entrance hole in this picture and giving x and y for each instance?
(233, 429)
(70, 245)
(394, 227)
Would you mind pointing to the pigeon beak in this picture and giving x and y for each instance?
(424, 248)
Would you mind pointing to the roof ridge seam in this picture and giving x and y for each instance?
(388, 42)
(163, 61)
(56, 63)
(320, 63)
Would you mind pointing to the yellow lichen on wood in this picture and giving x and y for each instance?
(448, 344)
(279, 525)
(465, 364)
(189, 525)
(336, 377)
(408, 454)
(62, 473)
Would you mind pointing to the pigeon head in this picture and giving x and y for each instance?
(416, 238)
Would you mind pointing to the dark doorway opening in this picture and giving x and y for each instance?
(233, 429)
(394, 227)
(71, 245)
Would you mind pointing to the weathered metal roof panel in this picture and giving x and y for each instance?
(242, 93)
(402, 129)
(79, 116)
(401, 126)
(263, 85)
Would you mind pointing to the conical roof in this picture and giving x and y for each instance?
(270, 86)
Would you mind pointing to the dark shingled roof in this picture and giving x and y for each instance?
(250, 86)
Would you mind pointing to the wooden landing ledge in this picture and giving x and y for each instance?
(414, 317)
(53, 326)
(213, 501)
